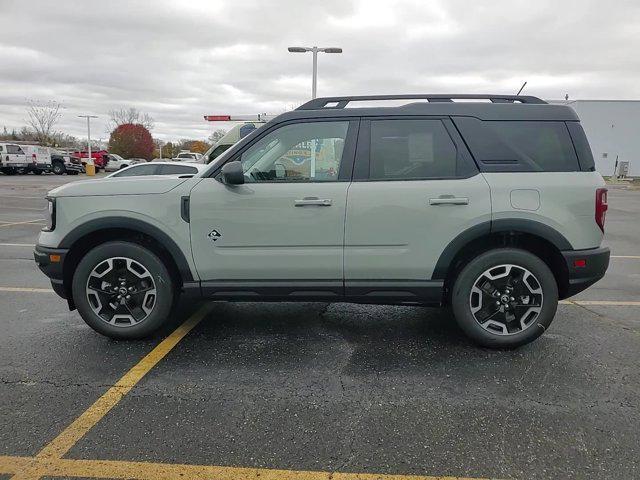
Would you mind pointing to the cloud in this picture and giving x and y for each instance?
(178, 61)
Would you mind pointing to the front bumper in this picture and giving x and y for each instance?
(595, 261)
(74, 167)
(51, 262)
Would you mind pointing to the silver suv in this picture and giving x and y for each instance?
(491, 205)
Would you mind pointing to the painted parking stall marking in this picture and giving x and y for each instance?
(60, 445)
(168, 471)
(26, 289)
(27, 222)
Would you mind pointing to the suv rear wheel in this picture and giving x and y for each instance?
(122, 290)
(505, 298)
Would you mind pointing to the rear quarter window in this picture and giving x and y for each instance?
(580, 142)
(525, 146)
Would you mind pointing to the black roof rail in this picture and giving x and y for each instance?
(342, 102)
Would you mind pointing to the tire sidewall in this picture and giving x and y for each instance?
(161, 277)
(467, 278)
(58, 168)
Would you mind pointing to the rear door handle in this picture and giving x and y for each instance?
(449, 200)
(307, 201)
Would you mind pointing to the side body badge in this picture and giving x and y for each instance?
(214, 235)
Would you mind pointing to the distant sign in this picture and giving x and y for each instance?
(623, 169)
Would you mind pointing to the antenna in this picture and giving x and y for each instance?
(521, 88)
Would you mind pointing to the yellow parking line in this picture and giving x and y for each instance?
(26, 289)
(81, 425)
(17, 244)
(636, 257)
(29, 222)
(612, 303)
(152, 471)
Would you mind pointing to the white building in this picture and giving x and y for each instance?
(613, 130)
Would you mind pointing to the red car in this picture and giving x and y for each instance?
(100, 158)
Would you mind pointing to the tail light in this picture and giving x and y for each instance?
(601, 207)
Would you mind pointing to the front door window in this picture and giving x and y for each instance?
(300, 152)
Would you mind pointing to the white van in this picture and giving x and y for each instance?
(230, 138)
(39, 158)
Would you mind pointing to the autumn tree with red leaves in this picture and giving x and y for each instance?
(131, 141)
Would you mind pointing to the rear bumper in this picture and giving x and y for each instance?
(596, 262)
(52, 269)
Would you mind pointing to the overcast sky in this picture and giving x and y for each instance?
(180, 60)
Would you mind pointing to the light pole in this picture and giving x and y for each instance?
(314, 50)
(88, 117)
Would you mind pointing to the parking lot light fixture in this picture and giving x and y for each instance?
(88, 117)
(314, 50)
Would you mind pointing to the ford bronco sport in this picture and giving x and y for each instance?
(488, 203)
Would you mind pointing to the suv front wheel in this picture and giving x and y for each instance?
(505, 298)
(122, 290)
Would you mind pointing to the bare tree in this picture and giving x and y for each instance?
(216, 135)
(43, 118)
(129, 115)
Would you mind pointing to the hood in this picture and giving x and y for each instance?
(143, 185)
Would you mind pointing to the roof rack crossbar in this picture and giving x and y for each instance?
(342, 102)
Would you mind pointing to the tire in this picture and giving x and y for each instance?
(9, 171)
(72, 172)
(58, 168)
(111, 263)
(37, 172)
(514, 322)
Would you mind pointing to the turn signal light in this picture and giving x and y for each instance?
(54, 258)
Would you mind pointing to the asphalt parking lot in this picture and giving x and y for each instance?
(314, 390)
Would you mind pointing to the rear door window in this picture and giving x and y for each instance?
(412, 150)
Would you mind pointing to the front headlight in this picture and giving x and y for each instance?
(50, 214)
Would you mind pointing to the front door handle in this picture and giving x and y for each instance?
(320, 202)
(449, 200)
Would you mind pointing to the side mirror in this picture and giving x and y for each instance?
(232, 173)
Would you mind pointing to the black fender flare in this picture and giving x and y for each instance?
(506, 225)
(141, 226)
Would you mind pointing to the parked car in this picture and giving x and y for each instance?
(64, 163)
(188, 157)
(116, 162)
(100, 158)
(493, 207)
(159, 168)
